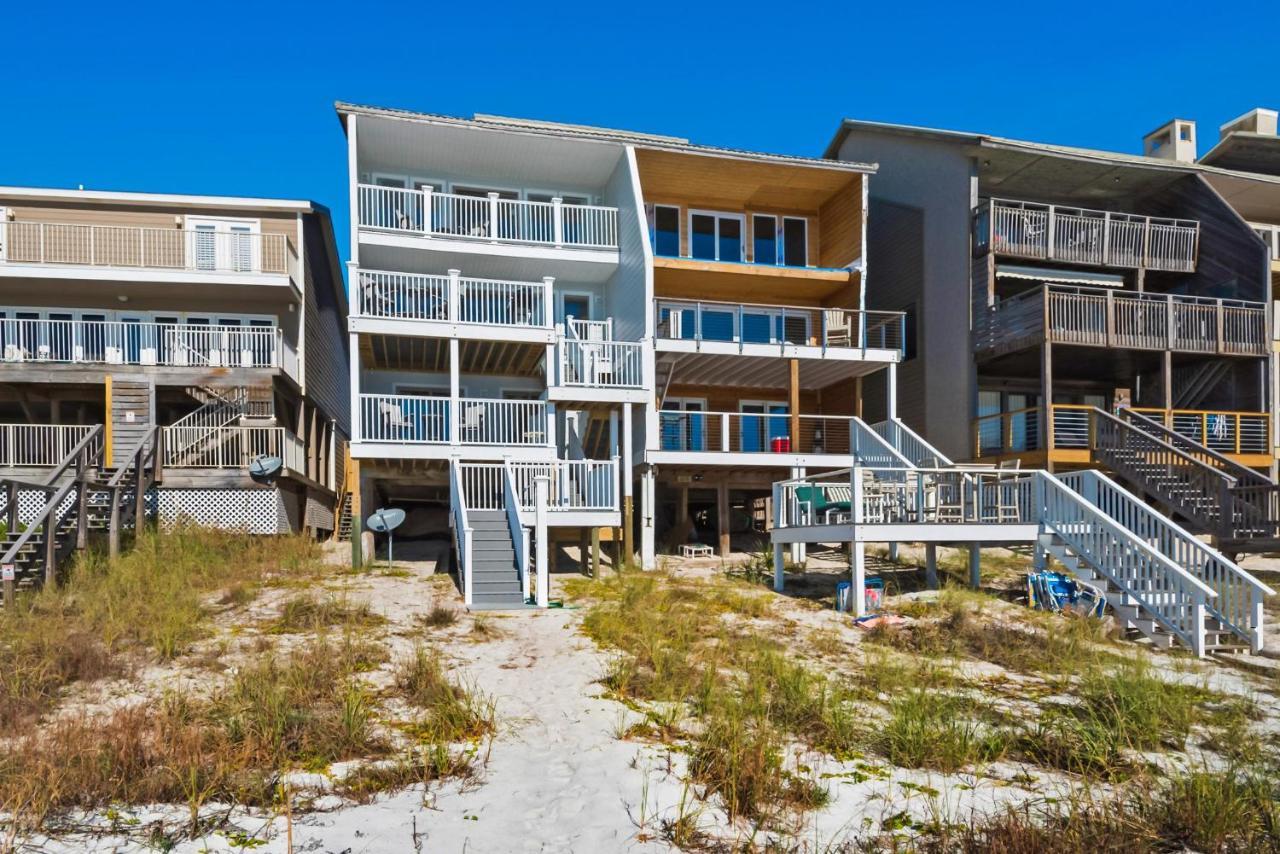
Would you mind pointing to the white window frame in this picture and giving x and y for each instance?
(719, 215)
(223, 225)
(560, 310)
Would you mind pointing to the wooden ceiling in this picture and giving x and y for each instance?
(734, 184)
(403, 353)
(712, 280)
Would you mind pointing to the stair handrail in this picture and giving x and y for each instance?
(74, 454)
(910, 439)
(1085, 524)
(461, 528)
(1239, 471)
(516, 525)
(148, 452)
(1239, 594)
(862, 438)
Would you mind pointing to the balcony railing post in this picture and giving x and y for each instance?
(1106, 238)
(1052, 232)
(548, 300)
(724, 433)
(454, 297)
(493, 216)
(557, 220)
(427, 190)
(1221, 316)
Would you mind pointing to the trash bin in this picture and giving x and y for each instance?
(873, 595)
(844, 600)
(780, 444)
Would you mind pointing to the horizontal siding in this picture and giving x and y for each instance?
(325, 362)
(895, 234)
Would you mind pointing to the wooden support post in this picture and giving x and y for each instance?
(931, 566)
(11, 507)
(682, 506)
(1046, 394)
(1168, 384)
(595, 553)
(975, 565)
(353, 486)
(50, 544)
(82, 501)
(628, 486)
(113, 525)
(893, 552)
(795, 405)
(584, 550)
(722, 516)
(779, 566)
(857, 396)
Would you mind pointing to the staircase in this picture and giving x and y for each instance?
(1213, 493)
(198, 434)
(343, 530)
(1195, 383)
(495, 578)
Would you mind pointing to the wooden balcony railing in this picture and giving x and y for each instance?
(1082, 236)
(1020, 430)
(753, 323)
(487, 218)
(1102, 317)
(196, 250)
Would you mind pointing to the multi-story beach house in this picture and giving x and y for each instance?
(547, 320)
(1110, 307)
(182, 335)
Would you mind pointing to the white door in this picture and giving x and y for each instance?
(223, 245)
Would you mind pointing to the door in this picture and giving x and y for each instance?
(682, 424)
(222, 245)
(133, 340)
(762, 423)
(716, 236)
(59, 344)
(262, 345)
(93, 338)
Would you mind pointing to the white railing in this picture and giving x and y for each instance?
(39, 444)
(1270, 235)
(1083, 236)
(413, 419)
(146, 248)
(488, 218)
(910, 444)
(461, 528)
(782, 325)
(493, 302)
(231, 447)
(575, 485)
(601, 364)
(1239, 596)
(113, 342)
(518, 527)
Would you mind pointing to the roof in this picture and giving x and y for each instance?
(1246, 151)
(607, 135)
(132, 198)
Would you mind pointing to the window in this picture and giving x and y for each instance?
(795, 241)
(761, 423)
(577, 306)
(682, 424)
(666, 231)
(221, 244)
(764, 239)
(716, 236)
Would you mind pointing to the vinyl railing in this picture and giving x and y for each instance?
(492, 302)
(771, 433)
(487, 218)
(461, 527)
(231, 447)
(1103, 317)
(910, 444)
(1238, 595)
(1084, 236)
(747, 323)
(601, 364)
(112, 342)
(146, 248)
(39, 445)
(575, 485)
(413, 419)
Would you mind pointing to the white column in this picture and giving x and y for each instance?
(858, 569)
(891, 390)
(798, 550)
(541, 485)
(548, 301)
(551, 427)
(493, 217)
(455, 386)
(647, 559)
(427, 189)
(975, 565)
(893, 552)
(613, 432)
(354, 361)
(557, 220)
(779, 559)
(353, 176)
(454, 297)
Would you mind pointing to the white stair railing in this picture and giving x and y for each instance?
(518, 526)
(910, 444)
(1238, 595)
(461, 528)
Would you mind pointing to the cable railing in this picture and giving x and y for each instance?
(1083, 236)
(415, 419)
(452, 297)
(113, 342)
(1223, 431)
(782, 325)
(198, 249)
(772, 433)
(487, 218)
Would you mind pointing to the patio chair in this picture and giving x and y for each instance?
(472, 421)
(815, 500)
(393, 419)
(839, 325)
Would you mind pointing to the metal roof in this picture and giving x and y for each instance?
(605, 135)
(134, 198)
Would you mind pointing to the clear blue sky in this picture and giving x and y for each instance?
(236, 98)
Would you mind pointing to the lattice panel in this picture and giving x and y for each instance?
(319, 513)
(258, 511)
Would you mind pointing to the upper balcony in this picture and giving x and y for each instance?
(438, 427)
(124, 251)
(1093, 238)
(1270, 235)
(1103, 317)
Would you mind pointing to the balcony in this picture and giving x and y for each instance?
(774, 438)
(500, 305)
(39, 445)
(232, 447)
(413, 421)
(575, 486)
(487, 219)
(1082, 236)
(1237, 434)
(1101, 317)
(591, 365)
(781, 329)
(129, 247)
(111, 342)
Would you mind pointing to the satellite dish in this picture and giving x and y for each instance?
(385, 520)
(264, 469)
